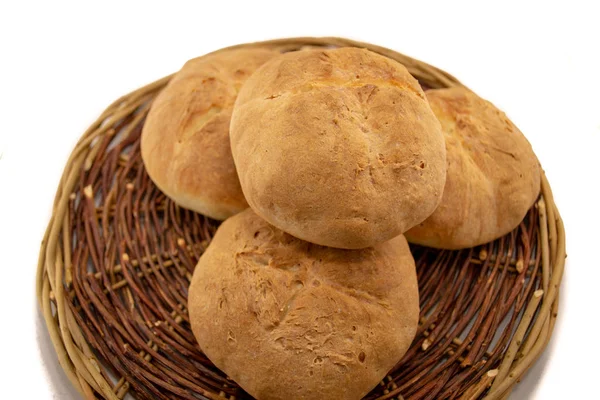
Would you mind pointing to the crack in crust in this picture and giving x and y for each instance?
(374, 84)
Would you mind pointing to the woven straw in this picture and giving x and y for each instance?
(118, 255)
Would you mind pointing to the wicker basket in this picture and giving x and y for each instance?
(118, 255)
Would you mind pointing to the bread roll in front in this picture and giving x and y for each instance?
(338, 147)
(287, 319)
(185, 139)
(493, 174)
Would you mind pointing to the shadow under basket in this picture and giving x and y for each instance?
(117, 258)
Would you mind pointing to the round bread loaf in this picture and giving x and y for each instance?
(493, 174)
(338, 147)
(185, 139)
(288, 319)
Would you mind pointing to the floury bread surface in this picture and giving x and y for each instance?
(493, 174)
(338, 147)
(288, 319)
(185, 139)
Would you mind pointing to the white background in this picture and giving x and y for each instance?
(62, 64)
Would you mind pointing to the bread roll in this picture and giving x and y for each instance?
(185, 140)
(287, 319)
(493, 174)
(338, 147)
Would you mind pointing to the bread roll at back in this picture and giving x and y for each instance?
(185, 139)
(493, 174)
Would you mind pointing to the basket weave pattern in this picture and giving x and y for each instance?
(117, 258)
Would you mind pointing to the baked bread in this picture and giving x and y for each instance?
(493, 174)
(185, 139)
(288, 319)
(338, 147)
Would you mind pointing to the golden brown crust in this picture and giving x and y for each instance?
(493, 174)
(338, 147)
(185, 140)
(289, 319)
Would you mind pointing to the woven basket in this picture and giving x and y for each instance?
(118, 255)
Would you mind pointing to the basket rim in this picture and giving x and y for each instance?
(75, 356)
